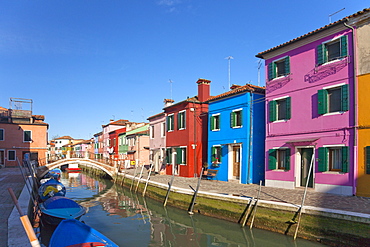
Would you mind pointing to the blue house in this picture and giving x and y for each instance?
(236, 134)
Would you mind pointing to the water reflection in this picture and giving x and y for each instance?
(131, 220)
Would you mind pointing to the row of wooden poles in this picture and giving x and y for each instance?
(249, 212)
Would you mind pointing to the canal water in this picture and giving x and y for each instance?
(131, 220)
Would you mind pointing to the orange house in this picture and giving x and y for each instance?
(22, 135)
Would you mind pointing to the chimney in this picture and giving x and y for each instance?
(168, 102)
(203, 89)
(234, 86)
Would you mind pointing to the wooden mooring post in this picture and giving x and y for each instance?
(255, 206)
(147, 180)
(190, 211)
(168, 191)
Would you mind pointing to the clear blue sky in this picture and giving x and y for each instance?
(85, 62)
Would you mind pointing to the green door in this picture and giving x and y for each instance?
(306, 156)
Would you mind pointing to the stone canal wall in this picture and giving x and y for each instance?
(328, 226)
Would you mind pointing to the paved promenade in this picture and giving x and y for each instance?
(315, 199)
(9, 178)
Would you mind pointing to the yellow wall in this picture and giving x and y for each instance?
(363, 182)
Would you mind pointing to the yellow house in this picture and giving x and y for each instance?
(361, 24)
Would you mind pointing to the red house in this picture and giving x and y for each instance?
(186, 139)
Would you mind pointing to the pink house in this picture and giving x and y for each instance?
(310, 111)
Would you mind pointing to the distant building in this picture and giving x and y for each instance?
(157, 141)
(22, 134)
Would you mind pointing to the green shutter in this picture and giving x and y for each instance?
(345, 159)
(270, 71)
(322, 96)
(320, 52)
(168, 123)
(218, 122)
(343, 46)
(287, 65)
(167, 156)
(367, 150)
(323, 164)
(212, 122)
(288, 108)
(344, 103)
(287, 159)
(272, 111)
(178, 120)
(220, 154)
(272, 159)
(232, 119)
(241, 117)
(178, 156)
(213, 151)
(172, 122)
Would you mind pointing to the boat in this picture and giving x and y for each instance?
(73, 168)
(58, 208)
(73, 233)
(50, 188)
(55, 173)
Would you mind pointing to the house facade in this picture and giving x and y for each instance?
(138, 145)
(310, 111)
(22, 136)
(186, 137)
(236, 134)
(107, 128)
(157, 141)
(361, 24)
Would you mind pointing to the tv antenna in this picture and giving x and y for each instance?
(170, 87)
(228, 58)
(334, 14)
(259, 72)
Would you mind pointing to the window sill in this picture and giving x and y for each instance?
(237, 127)
(333, 113)
(334, 173)
(216, 130)
(280, 170)
(331, 62)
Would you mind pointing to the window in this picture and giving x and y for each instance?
(1, 134)
(170, 122)
(332, 50)
(11, 155)
(279, 68)
(27, 136)
(236, 119)
(152, 132)
(163, 129)
(279, 159)
(367, 153)
(215, 122)
(333, 99)
(280, 109)
(181, 120)
(169, 156)
(181, 156)
(333, 159)
(216, 154)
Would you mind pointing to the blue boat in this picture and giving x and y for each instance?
(58, 208)
(51, 188)
(74, 233)
(55, 173)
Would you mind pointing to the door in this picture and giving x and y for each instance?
(306, 157)
(236, 162)
(2, 158)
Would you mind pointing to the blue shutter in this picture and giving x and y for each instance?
(322, 105)
(343, 46)
(272, 159)
(272, 111)
(344, 102)
(323, 164)
(345, 159)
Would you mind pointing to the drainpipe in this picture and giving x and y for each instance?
(355, 151)
(250, 138)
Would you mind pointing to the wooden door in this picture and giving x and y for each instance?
(236, 162)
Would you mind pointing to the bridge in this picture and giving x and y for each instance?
(110, 169)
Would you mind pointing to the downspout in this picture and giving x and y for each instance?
(355, 149)
(250, 138)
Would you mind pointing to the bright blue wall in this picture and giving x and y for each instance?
(228, 135)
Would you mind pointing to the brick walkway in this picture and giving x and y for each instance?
(315, 199)
(9, 178)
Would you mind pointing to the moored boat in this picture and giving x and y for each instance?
(79, 235)
(55, 173)
(50, 188)
(58, 208)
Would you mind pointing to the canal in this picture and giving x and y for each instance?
(131, 220)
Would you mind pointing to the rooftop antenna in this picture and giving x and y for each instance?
(334, 14)
(259, 72)
(228, 58)
(170, 87)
